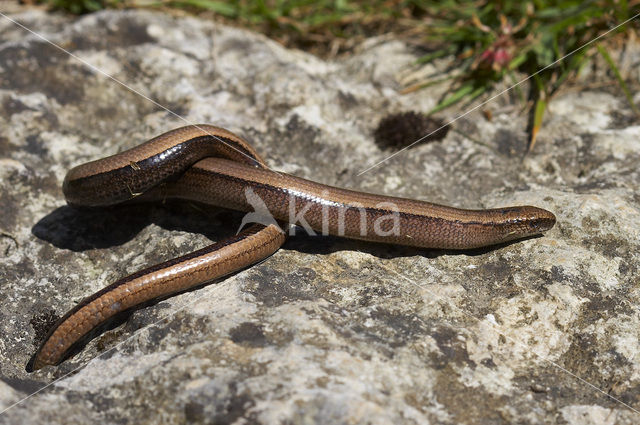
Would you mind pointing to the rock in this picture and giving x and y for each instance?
(326, 330)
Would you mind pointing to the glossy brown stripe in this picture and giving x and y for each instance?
(421, 224)
(166, 167)
(123, 177)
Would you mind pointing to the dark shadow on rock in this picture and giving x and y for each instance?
(323, 245)
(80, 229)
(83, 229)
(27, 386)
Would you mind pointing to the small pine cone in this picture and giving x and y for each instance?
(399, 130)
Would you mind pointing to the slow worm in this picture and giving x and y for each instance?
(212, 165)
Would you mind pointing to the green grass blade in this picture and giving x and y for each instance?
(435, 55)
(616, 72)
(219, 7)
(538, 115)
(463, 91)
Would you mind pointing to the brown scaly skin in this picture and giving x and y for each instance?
(212, 165)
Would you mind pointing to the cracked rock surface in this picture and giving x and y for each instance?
(327, 330)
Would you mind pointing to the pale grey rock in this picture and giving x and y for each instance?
(326, 330)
